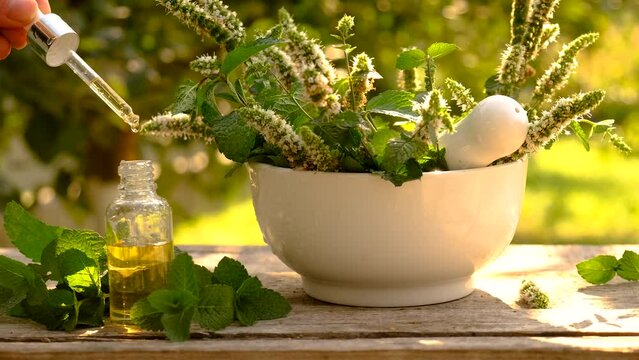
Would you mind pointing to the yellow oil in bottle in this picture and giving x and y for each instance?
(135, 272)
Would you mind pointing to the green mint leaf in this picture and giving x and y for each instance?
(62, 308)
(49, 261)
(410, 59)
(46, 315)
(178, 326)
(182, 274)
(255, 303)
(233, 137)
(27, 233)
(80, 272)
(144, 315)
(20, 282)
(57, 312)
(396, 103)
(399, 151)
(14, 277)
(629, 266)
(440, 49)
(342, 130)
(61, 299)
(216, 309)
(185, 98)
(9, 298)
(380, 139)
(70, 321)
(88, 242)
(91, 312)
(246, 308)
(206, 94)
(603, 126)
(203, 276)
(598, 270)
(399, 160)
(230, 272)
(171, 301)
(581, 134)
(239, 90)
(243, 52)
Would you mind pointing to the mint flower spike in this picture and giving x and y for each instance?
(311, 65)
(461, 95)
(276, 131)
(318, 155)
(411, 79)
(549, 34)
(209, 18)
(345, 25)
(519, 20)
(434, 116)
(333, 105)
(531, 297)
(279, 63)
(541, 11)
(512, 69)
(557, 75)
(206, 65)
(179, 126)
(619, 143)
(363, 77)
(554, 121)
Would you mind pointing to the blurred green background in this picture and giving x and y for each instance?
(60, 146)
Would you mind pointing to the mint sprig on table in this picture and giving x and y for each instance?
(213, 300)
(75, 263)
(603, 268)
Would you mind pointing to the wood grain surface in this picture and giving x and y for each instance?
(584, 321)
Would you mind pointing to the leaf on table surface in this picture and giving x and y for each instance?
(146, 316)
(182, 274)
(629, 266)
(216, 308)
(27, 233)
(598, 270)
(230, 272)
(254, 303)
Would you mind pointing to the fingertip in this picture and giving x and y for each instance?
(5, 48)
(44, 6)
(22, 12)
(17, 37)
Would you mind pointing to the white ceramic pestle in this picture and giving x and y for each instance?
(496, 127)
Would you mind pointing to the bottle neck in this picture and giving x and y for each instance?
(136, 178)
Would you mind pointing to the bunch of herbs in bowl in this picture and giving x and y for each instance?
(356, 225)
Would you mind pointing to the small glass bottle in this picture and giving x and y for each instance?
(139, 239)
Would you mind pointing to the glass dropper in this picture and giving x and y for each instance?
(56, 42)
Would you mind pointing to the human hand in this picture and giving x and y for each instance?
(15, 16)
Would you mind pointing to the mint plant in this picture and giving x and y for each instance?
(603, 268)
(290, 107)
(74, 261)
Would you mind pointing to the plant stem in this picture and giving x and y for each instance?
(348, 70)
(291, 96)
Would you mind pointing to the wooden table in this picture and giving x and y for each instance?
(585, 322)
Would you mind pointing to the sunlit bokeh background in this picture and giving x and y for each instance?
(60, 146)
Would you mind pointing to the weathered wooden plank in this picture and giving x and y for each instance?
(578, 310)
(390, 348)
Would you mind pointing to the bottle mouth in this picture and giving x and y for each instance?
(136, 174)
